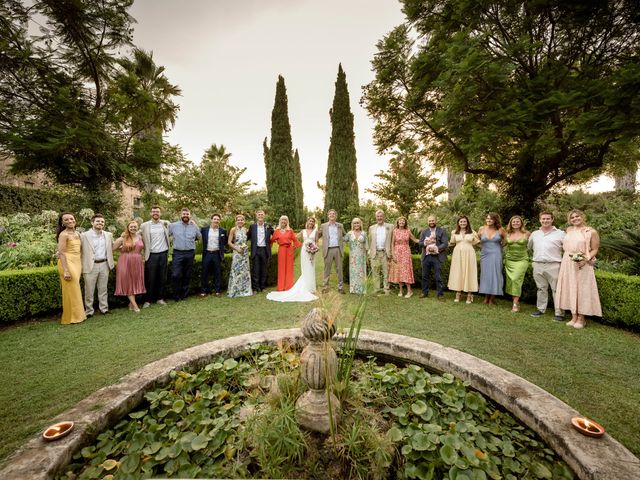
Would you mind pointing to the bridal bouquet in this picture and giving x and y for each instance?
(311, 249)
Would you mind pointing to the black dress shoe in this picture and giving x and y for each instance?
(105, 313)
(423, 295)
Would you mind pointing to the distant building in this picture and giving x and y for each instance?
(131, 201)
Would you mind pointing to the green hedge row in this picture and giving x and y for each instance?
(619, 294)
(29, 293)
(32, 292)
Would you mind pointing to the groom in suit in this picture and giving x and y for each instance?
(332, 234)
(260, 237)
(380, 251)
(97, 261)
(214, 239)
(434, 242)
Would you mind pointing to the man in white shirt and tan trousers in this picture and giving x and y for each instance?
(97, 261)
(380, 251)
(546, 244)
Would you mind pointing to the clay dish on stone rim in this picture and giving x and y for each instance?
(57, 431)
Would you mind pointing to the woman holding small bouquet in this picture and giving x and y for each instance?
(358, 246)
(305, 287)
(577, 289)
(240, 274)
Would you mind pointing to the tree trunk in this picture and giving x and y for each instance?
(454, 183)
(626, 181)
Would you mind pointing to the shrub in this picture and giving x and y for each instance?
(32, 292)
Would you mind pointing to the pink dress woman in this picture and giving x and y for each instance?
(401, 267)
(130, 271)
(577, 290)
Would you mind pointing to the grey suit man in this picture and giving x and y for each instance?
(380, 253)
(332, 234)
(97, 261)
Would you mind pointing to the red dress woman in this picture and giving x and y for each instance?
(287, 243)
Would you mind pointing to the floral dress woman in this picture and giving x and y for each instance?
(358, 245)
(401, 268)
(240, 274)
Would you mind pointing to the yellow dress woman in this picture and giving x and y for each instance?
(70, 268)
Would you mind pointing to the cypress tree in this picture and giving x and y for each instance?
(265, 154)
(299, 193)
(281, 172)
(341, 181)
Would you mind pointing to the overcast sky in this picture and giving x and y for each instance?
(226, 56)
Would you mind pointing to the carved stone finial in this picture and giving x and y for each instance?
(317, 327)
(318, 363)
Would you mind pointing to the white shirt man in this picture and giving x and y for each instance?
(97, 261)
(380, 251)
(546, 244)
(155, 234)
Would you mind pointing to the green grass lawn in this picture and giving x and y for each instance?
(49, 367)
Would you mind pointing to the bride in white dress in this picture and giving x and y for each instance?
(303, 290)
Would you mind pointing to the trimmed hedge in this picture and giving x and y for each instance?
(33, 292)
(619, 294)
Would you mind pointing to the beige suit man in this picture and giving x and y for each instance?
(97, 261)
(332, 234)
(380, 251)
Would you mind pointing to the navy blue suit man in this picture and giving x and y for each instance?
(434, 242)
(260, 237)
(214, 241)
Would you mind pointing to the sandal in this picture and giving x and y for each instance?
(457, 299)
(515, 308)
(469, 298)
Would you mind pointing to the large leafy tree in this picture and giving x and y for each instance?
(66, 107)
(283, 187)
(406, 183)
(213, 185)
(527, 94)
(341, 192)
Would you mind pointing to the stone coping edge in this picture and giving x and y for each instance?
(590, 458)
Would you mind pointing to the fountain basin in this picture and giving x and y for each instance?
(589, 458)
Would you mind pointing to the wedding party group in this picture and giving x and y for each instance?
(562, 262)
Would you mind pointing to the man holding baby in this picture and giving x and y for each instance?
(433, 242)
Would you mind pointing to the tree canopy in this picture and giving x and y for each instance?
(213, 185)
(527, 94)
(406, 184)
(69, 104)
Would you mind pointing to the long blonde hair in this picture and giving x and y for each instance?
(127, 244)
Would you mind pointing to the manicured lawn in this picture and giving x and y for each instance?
(49, 367)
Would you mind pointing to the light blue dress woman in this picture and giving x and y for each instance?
(240, 274)
(491, 279)
(358, 245)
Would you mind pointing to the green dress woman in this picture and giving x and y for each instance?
(516, 259)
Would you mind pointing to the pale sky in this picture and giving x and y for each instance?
(226, 57)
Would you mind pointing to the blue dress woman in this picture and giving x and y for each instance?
(240, 274)
(492, 237)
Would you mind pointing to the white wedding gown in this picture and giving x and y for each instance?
(303, 290)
